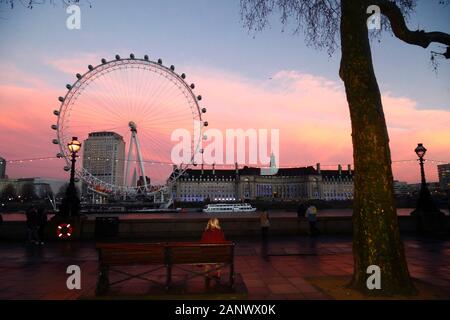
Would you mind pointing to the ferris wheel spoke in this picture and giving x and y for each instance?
(94, 106)
(155, 92)
(175, 100)
(158, 96)
(112, 96)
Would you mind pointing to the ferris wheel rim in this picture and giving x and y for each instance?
(82, 82)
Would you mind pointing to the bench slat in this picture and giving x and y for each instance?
(116, 254)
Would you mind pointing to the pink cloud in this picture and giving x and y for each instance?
(311, 113)
(74, 65)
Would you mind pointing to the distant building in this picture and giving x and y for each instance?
(202, 185)
(104, 156)
(336, 184)
(402, 189)
(285, 184)
(444, 176)
(2, 168)
(434, 187)
(42, 186)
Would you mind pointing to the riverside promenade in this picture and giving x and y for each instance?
(281, 270)
(39, 272)
(172, 226)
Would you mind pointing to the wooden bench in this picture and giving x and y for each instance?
(162, 255)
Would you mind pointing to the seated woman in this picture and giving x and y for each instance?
(213, 234)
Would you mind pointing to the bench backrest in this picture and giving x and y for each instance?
(131, 253)
(185, 252)
(165, 253)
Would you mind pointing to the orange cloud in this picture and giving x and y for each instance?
(311, 113)
(74, 65)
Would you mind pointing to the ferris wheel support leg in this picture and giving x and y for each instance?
(141, 163)
(130, 154)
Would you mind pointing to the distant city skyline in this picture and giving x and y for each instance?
(235, 71)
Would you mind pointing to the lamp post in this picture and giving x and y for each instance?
(70, 205)
(426, 211)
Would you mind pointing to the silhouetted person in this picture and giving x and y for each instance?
(301, 209)
(311, 214)
(32, 225)
(265, 225)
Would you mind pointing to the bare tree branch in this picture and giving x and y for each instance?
(29, 4)
(318, 20)
(401, 31)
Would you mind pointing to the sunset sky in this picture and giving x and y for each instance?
(268, 80)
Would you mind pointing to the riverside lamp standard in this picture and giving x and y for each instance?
(70, 205)
(427, 213)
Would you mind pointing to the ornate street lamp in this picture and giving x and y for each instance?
(74, 146)
(70, 205)
(426, 211)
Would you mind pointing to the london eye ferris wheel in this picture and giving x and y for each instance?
(125, 111)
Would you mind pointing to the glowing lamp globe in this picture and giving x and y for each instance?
(74, 145)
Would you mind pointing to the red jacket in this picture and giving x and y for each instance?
(213, 236)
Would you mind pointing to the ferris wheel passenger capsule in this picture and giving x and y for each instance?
(192, 86)
(160, 61)
(146, 57)
(61, 99)
(131, 56)
(90, 67)
(54, 127)
(78, 76)
(55, 141)
(56, 112)
(117, 57)
(66, 168)
(59, 155)
(203, 110)
(68, 86)
(205, 123)
(199, 97)
(103, 60)
(183, 76)
(172, 67)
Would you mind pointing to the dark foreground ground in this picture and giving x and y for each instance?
(39, 272)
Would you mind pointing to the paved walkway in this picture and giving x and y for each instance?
(38, 272)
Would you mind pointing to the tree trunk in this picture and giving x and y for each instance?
(376, 237)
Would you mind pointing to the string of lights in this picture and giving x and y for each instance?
(153, 162)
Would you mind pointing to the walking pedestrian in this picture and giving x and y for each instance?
(311, 214)
(264, 221)
(301, 209)
(265, 224)
(32, 225)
